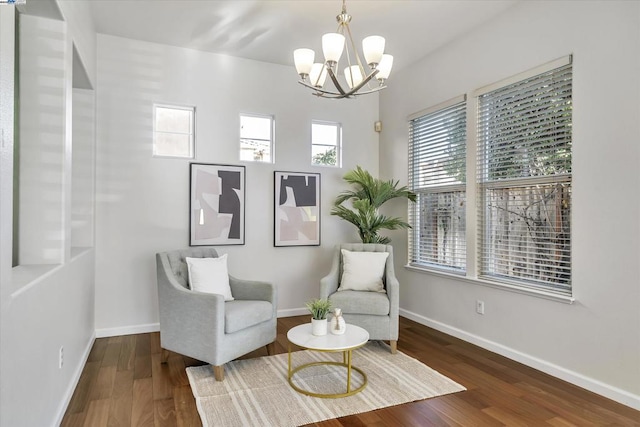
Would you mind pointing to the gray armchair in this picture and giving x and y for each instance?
(376, 312)
(205, 327)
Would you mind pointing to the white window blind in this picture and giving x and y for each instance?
(437, 174)
(524, 182)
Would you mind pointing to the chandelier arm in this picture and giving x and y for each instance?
(322, 93)
(320, 90)
(355, 51)
(365, 81)
(348, 95)
(335, 81)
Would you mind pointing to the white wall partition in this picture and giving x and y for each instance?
(143, 202)
(43, 139)
(47, 302)
(83, 168)
(595, 342)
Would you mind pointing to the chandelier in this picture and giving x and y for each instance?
(358, 79)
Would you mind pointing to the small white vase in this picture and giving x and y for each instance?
(338, 325)
(319, 327)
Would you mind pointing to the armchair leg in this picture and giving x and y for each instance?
(218, 372)
(271, 348)
(394, 346)
(164, 356)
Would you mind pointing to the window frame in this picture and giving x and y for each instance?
(473, 274)
(485, 184)
(192, 133)
(272, 141)
(338, 145)
(422, 188)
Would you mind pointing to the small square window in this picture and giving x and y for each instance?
(256, 138)
(173, 131)
(326, 139)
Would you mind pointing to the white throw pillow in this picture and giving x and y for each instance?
(210, 275)
(362, 271)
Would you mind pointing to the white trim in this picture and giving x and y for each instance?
(438, 107)
(272, 138)
(192, 134)
(155, 327)
(504, 286)
(614, 393)
(290, 312)
(338, 146)
(551, 65)
(127, 330)
(62, 409)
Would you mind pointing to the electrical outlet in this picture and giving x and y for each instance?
(479, 307)
(61, 357)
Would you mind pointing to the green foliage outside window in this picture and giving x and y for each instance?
(328, 157)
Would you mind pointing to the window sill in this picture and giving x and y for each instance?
(77, 251)
(26, 276)
(475, 281)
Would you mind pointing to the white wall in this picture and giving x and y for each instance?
(47, 301)
(143, 202)
(595, 342)
(83, 168)
(80, 26)
(7, 92)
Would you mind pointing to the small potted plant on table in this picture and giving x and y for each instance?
(319, 309)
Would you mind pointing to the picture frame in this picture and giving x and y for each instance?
(296, 209)
(216, 204)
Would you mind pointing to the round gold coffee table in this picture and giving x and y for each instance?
(353, 338)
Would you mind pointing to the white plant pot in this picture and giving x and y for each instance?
(319, 327)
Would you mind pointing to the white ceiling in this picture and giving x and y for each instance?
(269, 30)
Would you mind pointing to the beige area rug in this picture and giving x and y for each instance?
(255, 392)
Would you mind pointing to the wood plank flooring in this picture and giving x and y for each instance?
(124, 384)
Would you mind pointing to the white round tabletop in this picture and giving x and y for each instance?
(353, 337)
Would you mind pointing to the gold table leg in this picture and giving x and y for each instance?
(290, 374)
(348, 371)
(346, 363)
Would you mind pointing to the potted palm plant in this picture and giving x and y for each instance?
(369, 194)
(319, 309)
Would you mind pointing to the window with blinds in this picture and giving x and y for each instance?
(524, 181)
(437, 174)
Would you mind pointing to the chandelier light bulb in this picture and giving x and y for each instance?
(373, 48)
(353, 75)
(384, 68)
(303, 59)
(318, 74)
(332, 47)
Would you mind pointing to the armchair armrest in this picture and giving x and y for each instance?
(254, 290)
(329, 283)
(392, 284)
(393, 292)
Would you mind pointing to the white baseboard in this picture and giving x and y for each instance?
(290, 312)
(127, 330)
(596, 386)
(74, 381)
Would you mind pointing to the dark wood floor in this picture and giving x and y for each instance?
(124, 384)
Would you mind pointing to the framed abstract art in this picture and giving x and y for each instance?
(297, 209)
(217, 201)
